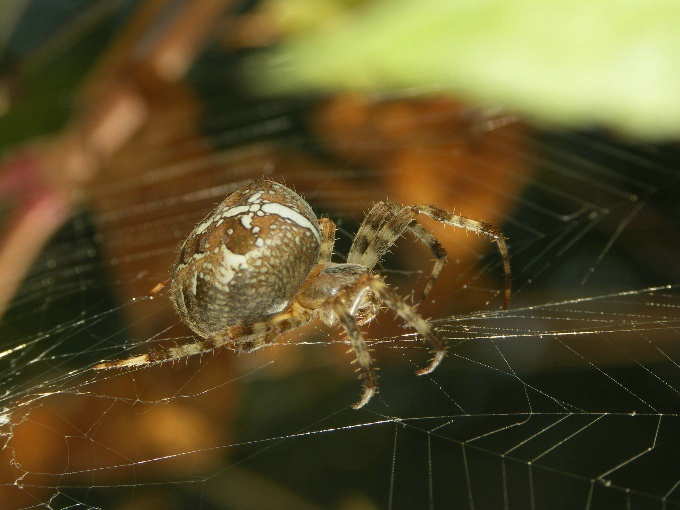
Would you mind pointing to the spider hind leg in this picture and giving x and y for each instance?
(243, 338)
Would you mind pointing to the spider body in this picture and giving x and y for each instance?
(259, 265)
(244, 263)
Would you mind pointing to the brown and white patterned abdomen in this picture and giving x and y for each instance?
(245, 262)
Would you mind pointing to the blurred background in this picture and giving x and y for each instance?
(122, 123)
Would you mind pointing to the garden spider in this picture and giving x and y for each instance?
(259, 265)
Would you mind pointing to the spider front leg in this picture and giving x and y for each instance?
(408, 314)
(480, 227)
(361, 352)
(387, 221)
(440, 258)
(383, 225)
(354, 294)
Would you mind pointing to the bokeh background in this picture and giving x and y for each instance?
(123, 123)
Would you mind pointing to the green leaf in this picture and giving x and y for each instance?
(575, 63)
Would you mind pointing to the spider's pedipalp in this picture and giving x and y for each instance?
(345, 306)
(327, 239)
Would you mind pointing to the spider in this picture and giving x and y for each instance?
(259, 265)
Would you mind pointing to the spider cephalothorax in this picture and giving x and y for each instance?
(259, 265)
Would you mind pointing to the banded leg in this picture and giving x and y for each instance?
(344, 313)
(327, 239)
(363, 356)
(367, 230)
(490, 231)
(384, 224)
(246, 338)
(440, 258)
(295, 318)
(409, 315)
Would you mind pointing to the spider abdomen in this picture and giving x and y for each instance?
(245, 262)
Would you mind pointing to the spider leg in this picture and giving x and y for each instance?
(295, 318)
(344, 313)
(381, 228)
(363, 356)
(440, 258)
(383, 225)
(246, 338)
(479, 227)
(406, 312)
(327, 239)
(387, 221)
(159, 286)
(165, 354)
(367, 231)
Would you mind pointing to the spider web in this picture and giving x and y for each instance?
(570, 399)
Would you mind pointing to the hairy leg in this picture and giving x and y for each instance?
(410, 316)
(383, 225)
(489, 231)
(363, 356)
(440, 258)
(381, 228)
(344, 305)
(387, 221)
(244, 338)
(296, 317)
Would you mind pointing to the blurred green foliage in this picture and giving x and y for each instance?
(575, 63)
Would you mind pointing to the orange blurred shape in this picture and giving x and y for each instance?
(129, 427)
